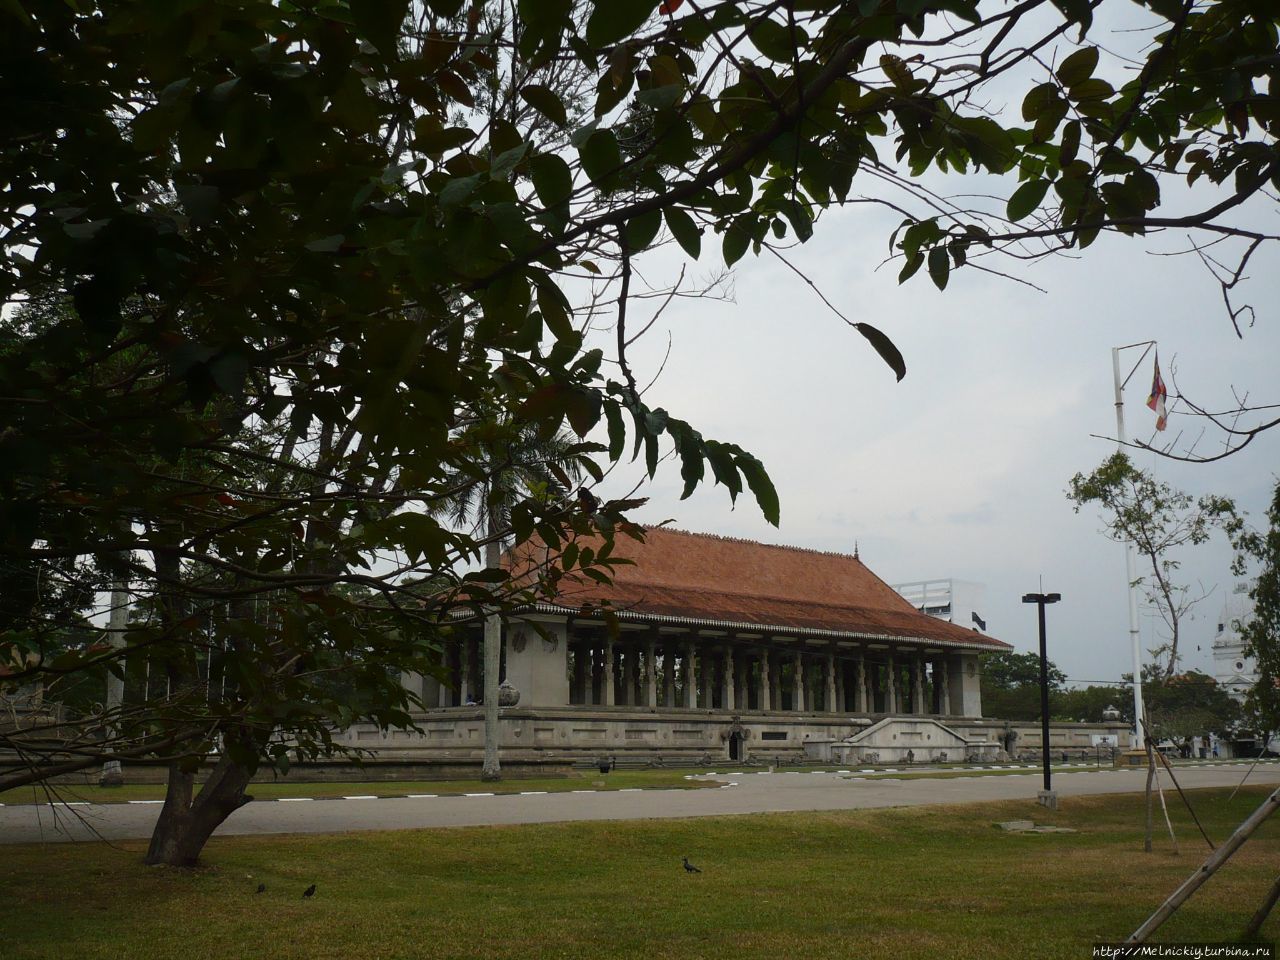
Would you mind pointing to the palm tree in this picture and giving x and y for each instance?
(514, 460)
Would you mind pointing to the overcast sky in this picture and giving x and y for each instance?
(960, 469)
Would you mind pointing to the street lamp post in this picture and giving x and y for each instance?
(1040, 599)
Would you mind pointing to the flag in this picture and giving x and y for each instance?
(1157, 398)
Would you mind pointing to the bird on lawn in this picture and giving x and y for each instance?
(689, 867)
(310, 891)
(262, 888)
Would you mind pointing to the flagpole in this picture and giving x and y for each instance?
(1131, 566)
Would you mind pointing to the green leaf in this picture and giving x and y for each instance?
(885, 347)
(545, 101)
(617, 431)
(1077, 11)
(1027, 198)
(689, 446)
(612, 20)
(380, 21)
(642, 228)
(1094, 89)
(552, 179)
(651, 454)
(736, 241)
(761, 487)
(14, 8)
(326, 244)
(506, 161)
(1077, 67)
(457, 191)
(774, 39)
(684, 230)
(1038, 100)
(582, 407)
(601, 157)
(1070, 143)
(723, 467)
(899, 74)
(544, 16)
(433, 139)
(660, 98)
(555, 309)
(939, 267)
(914, 262)
(200, 201)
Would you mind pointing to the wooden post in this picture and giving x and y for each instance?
(1255, 924)
(1206, 869)
(1190, 809)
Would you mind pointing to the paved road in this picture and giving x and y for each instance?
(741, 793)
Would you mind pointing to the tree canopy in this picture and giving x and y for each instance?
(280, 247)
(1180, 707)
(1011, 685)
(1159, 521)
(1261, 630)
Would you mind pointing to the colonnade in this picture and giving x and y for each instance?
(699, 672)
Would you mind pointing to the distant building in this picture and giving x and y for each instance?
(1234, 671)
(956, 601)
(705, 646)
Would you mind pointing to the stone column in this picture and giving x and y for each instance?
(669, 673)
(742, 682)
(776, 679)
(946, 690)
(409, 680)
(842, 701)
(830, 703)
(707, 668)
(798, 701)
(606, 675)
(579, 679)
(690, 677)
(728, 691)
(464, 671)
(628, 675)
(891, 688)
(650, 673)
(766, 682)
(917, 679)
(432, 692)
(861, 700)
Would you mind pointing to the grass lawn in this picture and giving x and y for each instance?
(268, 790)
(904, 883)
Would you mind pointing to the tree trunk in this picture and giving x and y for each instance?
(492, 769)
(1151, 773)
(185, 825)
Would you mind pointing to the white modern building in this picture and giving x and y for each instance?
(956, 601)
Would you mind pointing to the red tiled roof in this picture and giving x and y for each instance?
(707, 578)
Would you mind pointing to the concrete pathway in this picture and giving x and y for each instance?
(740, 793)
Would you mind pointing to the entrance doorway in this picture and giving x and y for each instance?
(735, 746)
